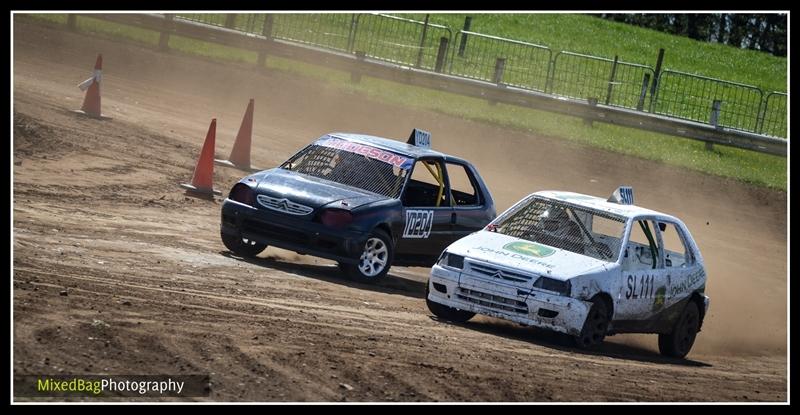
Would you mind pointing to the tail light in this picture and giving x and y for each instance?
(336, 218)
(242, 193)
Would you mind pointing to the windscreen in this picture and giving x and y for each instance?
(353, 164)
(576, 229)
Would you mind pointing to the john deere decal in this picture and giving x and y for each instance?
(531, 249)
(658, 304)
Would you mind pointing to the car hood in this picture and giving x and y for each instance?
(311, 191)
(526, 256)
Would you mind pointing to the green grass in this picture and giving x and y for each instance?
(595, 36)
(750, 167)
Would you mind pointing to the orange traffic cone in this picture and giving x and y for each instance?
(204, 171)
(240, 155)
(91, 102)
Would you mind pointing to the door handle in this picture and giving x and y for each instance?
(453, 218)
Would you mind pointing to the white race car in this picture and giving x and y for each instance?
(580, 265)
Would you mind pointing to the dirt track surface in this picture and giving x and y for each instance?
(150, 289)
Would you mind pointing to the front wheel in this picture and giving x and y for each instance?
(595, 327)
(375, 259)
(680, 341)
(242, 246)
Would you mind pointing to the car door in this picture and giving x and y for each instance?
(680, 263)
(644, 281)
(469, 211)
(427, 213)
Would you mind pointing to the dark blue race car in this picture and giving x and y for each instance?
(366, 202)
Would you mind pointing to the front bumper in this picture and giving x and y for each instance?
(534, 307)
(293, 233)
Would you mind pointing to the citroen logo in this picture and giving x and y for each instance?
(498, 274)
(284, 205)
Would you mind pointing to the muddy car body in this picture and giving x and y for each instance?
(580, 265)
(364, 201)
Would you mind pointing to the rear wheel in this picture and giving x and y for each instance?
(680, 341)
(595, 327)
(447, 313)
(242, 246)
(375, 259)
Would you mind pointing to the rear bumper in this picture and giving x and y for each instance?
(532, 308)
(287, 232)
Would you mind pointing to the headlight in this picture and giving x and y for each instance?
(550, 284)
(336, 218)
(242, 193)
(452, 261)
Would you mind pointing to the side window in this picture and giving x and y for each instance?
(462, 185)
(425, 187)
(642, 250)
(676, 254)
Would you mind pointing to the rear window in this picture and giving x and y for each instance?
(353, 164)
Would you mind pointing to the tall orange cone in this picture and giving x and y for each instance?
(91, 102)
(240, 155)
(204, 171)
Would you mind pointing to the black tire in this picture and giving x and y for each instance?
(680, 341)
(375, 260)
(445, 312)
(595, 327)
(242, 246)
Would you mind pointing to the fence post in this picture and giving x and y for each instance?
(593, 103)
(551, 73)
(611, 79)
(499, 68)
(266, 31)
(463, 44)
(645, 82)
(230, 20)
(656, 76)
(351, 36)
(355, 75)
(72, 22)
(440, 57)
(716, 107)
(762, 114)
(422, 40)
(163, 38)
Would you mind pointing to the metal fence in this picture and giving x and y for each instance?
(773, 122)
(250, 23)
(478, 56)
(330, 31)
(692, 97)
(399, 40)
(429, 46)
(609, 81)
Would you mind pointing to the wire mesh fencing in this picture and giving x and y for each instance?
(692, 97)
(399, 40)
(775, 115)
(609, 81)
(524, 65)
(330, 31)
(424, 45)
